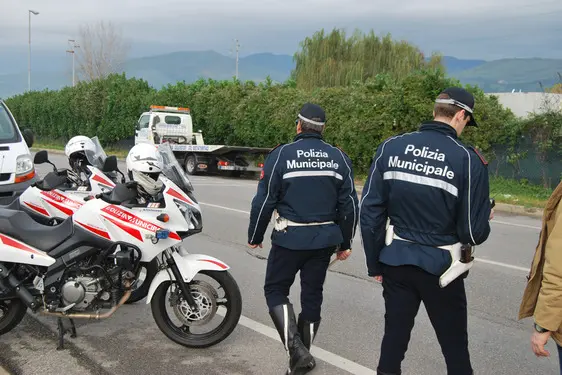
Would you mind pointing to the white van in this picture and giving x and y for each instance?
(17, 171)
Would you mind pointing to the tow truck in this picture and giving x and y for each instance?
(174, 125)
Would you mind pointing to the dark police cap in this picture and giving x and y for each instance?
(313, 114)
(461, 98)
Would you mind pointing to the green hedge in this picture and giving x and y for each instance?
(360, 116)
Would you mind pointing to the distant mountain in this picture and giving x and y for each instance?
(513, 74)
(191, 65)
(455, 65)
(53, 71)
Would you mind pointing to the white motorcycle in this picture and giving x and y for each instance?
(73, 270)
(55, 197)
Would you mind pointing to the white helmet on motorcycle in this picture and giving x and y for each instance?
(144, 165)
(79, 150)
(79, 147)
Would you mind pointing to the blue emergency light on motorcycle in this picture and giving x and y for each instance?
(162, 234)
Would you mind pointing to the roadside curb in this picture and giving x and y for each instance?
(500, 207)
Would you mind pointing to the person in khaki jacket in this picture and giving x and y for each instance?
(542, 298)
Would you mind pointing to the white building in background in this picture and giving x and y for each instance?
(523, 103)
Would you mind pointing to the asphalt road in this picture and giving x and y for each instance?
(353, 312)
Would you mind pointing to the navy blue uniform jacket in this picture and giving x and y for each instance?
(435, 190)
(307, 180)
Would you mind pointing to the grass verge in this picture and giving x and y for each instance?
(503, 190)
(37, 146)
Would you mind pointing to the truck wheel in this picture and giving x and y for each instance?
(190, 165)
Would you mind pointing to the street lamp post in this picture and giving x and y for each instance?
(73, 45)
(29, 51)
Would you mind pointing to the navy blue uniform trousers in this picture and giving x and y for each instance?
(282, 267)
(404, 288)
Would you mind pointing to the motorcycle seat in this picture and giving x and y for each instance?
(14, 205)
(19, 225)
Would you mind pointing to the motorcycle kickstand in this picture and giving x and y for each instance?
(62, 331)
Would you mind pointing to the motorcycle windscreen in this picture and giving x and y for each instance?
(172, 169)
(97, 158)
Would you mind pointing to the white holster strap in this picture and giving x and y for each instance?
(456, 268)
(280, 223)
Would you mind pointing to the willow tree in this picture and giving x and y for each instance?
(327, 60)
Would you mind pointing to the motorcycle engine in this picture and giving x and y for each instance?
(81, 291)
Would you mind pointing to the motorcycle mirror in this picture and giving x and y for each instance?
(110, 164)
(41, 157)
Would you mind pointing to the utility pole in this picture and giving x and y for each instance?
(29, 50)
(72, 46)
(237, 50)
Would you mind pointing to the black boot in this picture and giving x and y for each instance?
(283, 317)
(307, 331)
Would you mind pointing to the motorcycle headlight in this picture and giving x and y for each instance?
(188, 214)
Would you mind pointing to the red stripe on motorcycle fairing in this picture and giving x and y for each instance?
(175, 194)
(66, 210)
(221, 265)
(18, 245)
(174, 236)
(128, 217)
(102, 180)
(41, 210)
(99, 232)
(133, 232)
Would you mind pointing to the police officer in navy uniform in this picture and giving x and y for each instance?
(432, 193)
(309, 186)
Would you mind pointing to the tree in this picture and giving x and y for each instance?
(556, 89)
(102, 50)
(327, 60)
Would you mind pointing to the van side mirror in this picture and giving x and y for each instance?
(41, 157)
(110, 164)
(28, 137)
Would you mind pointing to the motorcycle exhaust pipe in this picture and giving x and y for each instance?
(94, 316)
(8, 282)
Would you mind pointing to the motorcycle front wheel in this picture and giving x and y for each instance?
(12, 311)
(208, 301)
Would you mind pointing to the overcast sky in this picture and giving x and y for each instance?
(483, 29)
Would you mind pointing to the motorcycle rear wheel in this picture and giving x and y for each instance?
(183, 337)
(12, 312)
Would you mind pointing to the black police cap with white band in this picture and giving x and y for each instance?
(461, 98)
(310, 111)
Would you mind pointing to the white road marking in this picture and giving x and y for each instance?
(221, 185)
(515, 224)
(224, 208)
(477, 259)
(319, 353)
(524, 269)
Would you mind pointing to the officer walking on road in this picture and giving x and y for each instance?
(310, 186)
(426, 195)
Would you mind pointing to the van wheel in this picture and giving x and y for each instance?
(190, 165)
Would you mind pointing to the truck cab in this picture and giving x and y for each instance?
(17, 171)
(165, 124)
